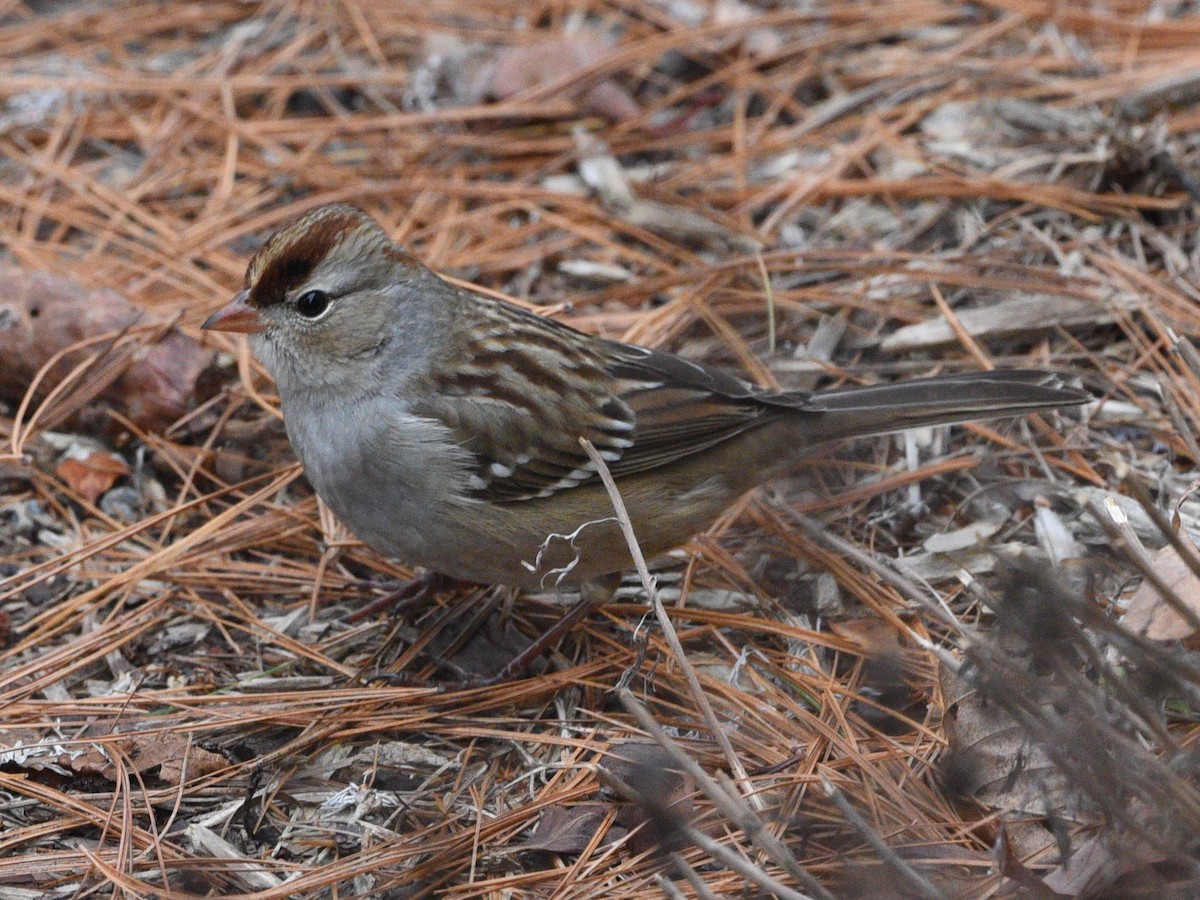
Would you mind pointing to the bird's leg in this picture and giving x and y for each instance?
(407, 595)
(591, 594)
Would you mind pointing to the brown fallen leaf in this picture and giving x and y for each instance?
(92, 473)
(146, 752)
(1150, 615)
(200, 762)
(871, 636)
(666, 796)
(567, 829)
(557, 59)
(993, 760)
(150, 378)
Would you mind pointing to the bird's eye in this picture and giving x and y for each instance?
(311, 304)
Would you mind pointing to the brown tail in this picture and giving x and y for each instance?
(942, 400)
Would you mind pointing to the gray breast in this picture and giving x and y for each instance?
(391, 477)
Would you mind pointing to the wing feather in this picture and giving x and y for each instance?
(640, 408)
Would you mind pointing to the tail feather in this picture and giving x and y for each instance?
(942, 400)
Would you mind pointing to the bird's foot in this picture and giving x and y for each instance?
(592, 594)
(406, 595)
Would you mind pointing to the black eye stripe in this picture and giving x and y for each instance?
(311, 304)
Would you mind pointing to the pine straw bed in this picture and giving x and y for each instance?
(848, 192)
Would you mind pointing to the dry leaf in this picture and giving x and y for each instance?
(43, 314)
(165, 752)
(1149, 614)
(567, 829)
(869, 635)
(666, 792)
(520, 68)
(91, 473)
(200, 762)
(995, 760)
(1090, 865)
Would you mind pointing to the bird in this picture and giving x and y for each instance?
(444, 427)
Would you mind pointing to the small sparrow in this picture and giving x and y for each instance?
(443, 427)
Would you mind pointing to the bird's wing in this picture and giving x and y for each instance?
(522, 416)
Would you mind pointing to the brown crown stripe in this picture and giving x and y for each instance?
(290, 255)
